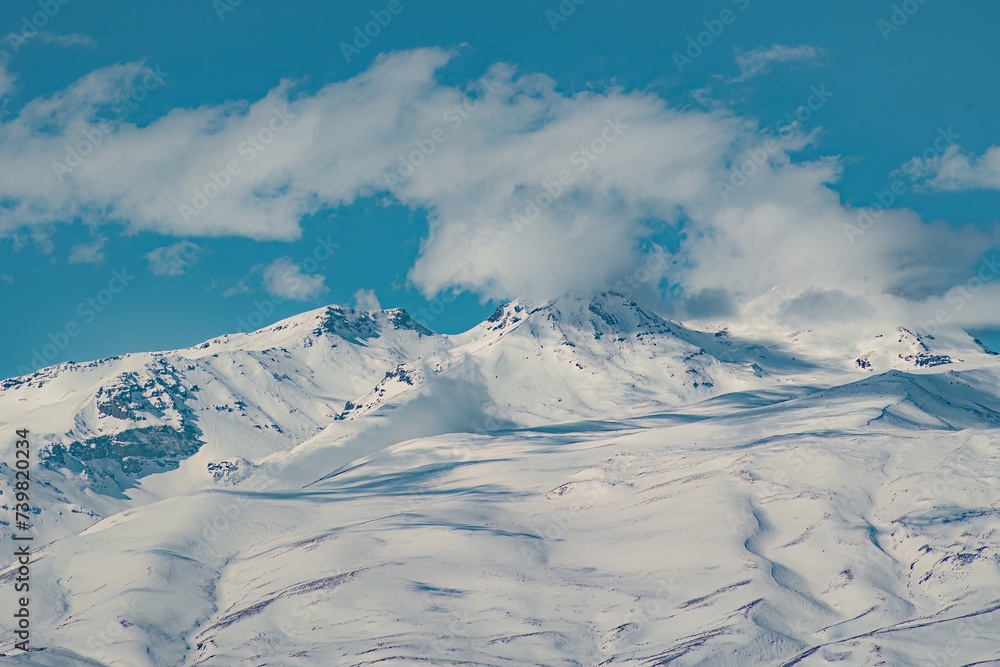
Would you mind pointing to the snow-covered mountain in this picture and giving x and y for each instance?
(109, 423)
(578, 357)
(579, 482)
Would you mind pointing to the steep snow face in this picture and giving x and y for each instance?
(904, 349)
(108, 424)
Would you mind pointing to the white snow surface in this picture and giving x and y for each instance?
(576, 483)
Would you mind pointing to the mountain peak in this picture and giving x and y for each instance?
(508, 314)
(358, 325)
(605, 313)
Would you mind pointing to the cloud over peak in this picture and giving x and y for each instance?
(528, 190)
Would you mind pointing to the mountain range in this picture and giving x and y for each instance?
(575, 482)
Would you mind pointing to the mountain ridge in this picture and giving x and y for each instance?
(523, 481)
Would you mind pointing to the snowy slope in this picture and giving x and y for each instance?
(578, 357)
(110, 423)
(694, 498)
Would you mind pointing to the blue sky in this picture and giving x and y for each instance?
(895, 79)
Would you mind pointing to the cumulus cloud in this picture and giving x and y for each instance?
(173, 260)
(528, 191)
(365, 299)
(287, 157)
(956, 170)
(284, 278)
(88, 253)
(759, 61)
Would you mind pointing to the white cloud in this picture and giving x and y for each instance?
(240, 287)
(88, 253)
(173, 260)
(7, 278)
(956, 170)
(73, 39)
(6, 79)
(758, 61)
(631, 166)
(365, 299)
(16, 40)
(284, 278)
